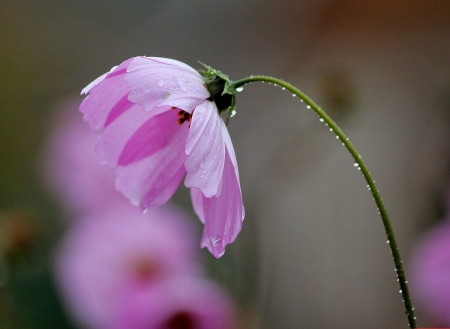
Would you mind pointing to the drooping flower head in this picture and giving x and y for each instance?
(159, 120)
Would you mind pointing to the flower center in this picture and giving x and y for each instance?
(145, 269)
(184, 116)
(181, 320)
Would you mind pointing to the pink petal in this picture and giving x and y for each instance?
(223, 215)
(152, 136)
(120, 107)
(116, 141)
(143, 182)
(106, 95)
(166, 193)
(88, 88)
(151, 165)
(197, 203)
(116, 135)
(162, 82)
(230, 148)
(205, 148)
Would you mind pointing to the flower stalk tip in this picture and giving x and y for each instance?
(221, 89)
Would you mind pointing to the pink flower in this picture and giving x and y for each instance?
(70, 165)
(158, 121)
(430, 274)
(182, 302)
(115, 257)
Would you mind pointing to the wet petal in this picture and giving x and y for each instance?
(88, 88)
(197, 203)
(166, 193)
(229, 147)
(114, 137)
(161, 82)
(205, 148)
(106, 94)
(223, 215)
(151, 177)
(155, 134)
(143, 182)
(117, 143)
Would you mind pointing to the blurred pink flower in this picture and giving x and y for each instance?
(430, 274)
(70, 166)
(158, 122)
(106, 260)
(178, 303)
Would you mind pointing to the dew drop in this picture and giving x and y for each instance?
(337, 137)
(400, 291)
(283, 88)
(239, 89)
(308, 107)
(233, 113)
(294, 95)
(321, 120)
(216, 240)
(356, 164)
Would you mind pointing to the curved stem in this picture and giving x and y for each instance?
(364, 170)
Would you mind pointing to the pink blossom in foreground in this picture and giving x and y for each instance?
(178, 303)
(430, 274)
(70, 165)
(114, 258)
(157, 123)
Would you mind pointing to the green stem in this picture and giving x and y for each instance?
(364, 170)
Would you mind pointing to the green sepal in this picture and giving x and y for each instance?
(218, 83)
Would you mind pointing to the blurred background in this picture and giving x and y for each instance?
(312, 253)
